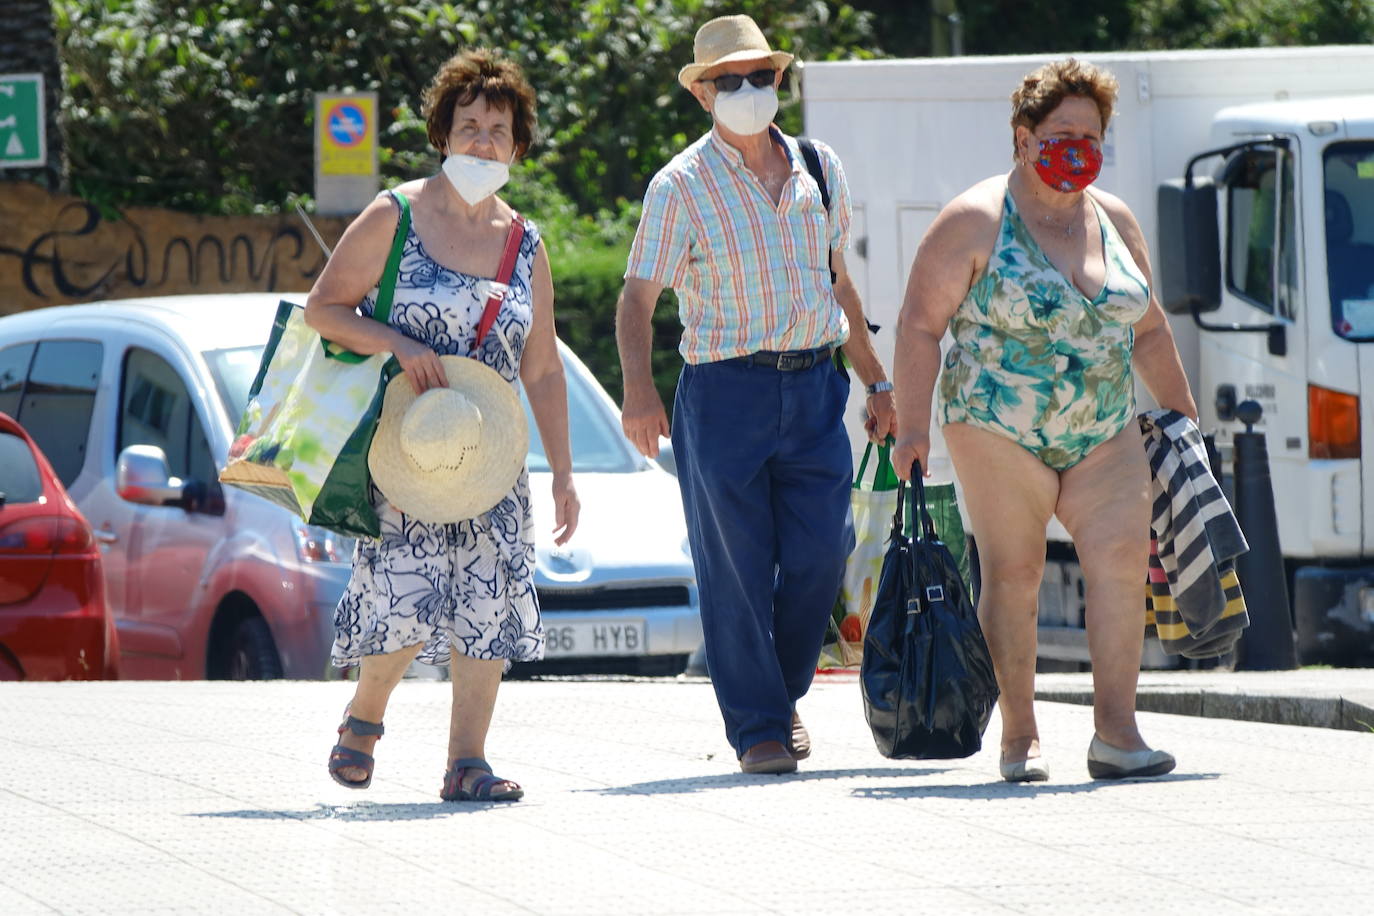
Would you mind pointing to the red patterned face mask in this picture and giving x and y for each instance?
(1069, 165)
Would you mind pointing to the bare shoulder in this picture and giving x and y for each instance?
(1120, 214)
(378, 219)
(972, 218)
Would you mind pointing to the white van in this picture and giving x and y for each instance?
(135, 403)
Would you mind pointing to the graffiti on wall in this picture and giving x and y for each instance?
(56, 249)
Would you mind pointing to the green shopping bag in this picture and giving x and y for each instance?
(871, 504)
(303, 439)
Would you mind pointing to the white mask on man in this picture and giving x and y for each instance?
(748, 110)
(476, 179)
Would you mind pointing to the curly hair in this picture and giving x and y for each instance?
(484, 73)
(1043, 89)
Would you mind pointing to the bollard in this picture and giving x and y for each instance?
(1267, 644)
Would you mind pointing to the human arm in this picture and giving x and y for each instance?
(951, 255)
(541, 372)
(881, 420)
(350, 274)
(642, 415)
(1156, 357)
(658, 257)
(859, 350)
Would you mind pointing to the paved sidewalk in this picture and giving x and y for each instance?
(196, 797)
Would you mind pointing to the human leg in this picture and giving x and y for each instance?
(1104, 502)
(725, 419)
(378, 676)
(475, 683)
(811, 477)
(1010, 497)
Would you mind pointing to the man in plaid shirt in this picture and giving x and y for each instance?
(736, 225)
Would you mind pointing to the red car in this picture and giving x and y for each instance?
(55, 624)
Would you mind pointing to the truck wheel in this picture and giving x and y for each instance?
(252, 654)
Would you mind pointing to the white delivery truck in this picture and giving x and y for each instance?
(1265, 258)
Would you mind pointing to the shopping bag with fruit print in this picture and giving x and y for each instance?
(303, 440)
(872, 501)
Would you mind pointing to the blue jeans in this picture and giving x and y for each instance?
(764, 465)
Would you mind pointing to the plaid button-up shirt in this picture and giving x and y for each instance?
(749, 275)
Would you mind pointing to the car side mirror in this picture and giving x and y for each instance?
(142, 476)
(1189, 247)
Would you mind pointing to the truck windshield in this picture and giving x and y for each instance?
(597, 442)
(1349, 174)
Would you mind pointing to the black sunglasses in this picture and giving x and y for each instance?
(729, 82)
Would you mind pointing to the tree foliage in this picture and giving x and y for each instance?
(208, 105)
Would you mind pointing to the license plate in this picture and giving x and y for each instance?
(594, 637)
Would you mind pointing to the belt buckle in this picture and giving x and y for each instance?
(791, 362)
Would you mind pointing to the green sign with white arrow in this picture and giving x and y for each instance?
(23, 128)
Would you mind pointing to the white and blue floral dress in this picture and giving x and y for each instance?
(468, 585)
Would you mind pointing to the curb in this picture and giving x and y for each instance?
(1274, 709)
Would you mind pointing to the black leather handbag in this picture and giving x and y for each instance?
(927, 678)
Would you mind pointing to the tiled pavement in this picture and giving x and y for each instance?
(213, 797)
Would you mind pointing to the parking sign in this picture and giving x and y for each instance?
(345, 151)
(23, 127)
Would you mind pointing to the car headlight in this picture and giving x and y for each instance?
(319, 545)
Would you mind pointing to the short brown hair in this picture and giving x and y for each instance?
(1045, 88)
(485, 73)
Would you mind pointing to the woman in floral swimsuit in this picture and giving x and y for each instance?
(462, 593)
(1045, 288)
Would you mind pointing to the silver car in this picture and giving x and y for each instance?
(135, 403)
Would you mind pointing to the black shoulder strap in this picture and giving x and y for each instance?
(813, 165)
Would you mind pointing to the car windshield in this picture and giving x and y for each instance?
(1349, 174)
(598, 446)
(19, 480)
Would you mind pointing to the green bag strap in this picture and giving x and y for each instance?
(386, 289)
(884, 474)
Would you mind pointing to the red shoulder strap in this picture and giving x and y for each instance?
(503, 275)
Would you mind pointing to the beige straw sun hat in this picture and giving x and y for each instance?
(451, 453)
(726, 39)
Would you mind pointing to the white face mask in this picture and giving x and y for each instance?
(748, 110)
(476, 179)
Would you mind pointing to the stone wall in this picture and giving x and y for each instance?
(56, 249)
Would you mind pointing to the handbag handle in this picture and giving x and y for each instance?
(884, 476)
(386, 289)
(514, 239)
(927, 524)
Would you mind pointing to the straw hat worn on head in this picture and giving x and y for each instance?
(451, 453)
(726, 39)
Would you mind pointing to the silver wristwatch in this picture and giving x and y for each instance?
(879, 387)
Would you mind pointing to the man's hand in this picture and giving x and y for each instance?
(643, 419)
(882, 417)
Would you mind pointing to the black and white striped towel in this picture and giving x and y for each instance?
(1198, 535)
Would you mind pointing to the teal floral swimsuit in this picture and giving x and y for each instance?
(1037, 361)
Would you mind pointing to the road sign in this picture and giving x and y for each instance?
(23, 124)
(345, 151)
(347, 134)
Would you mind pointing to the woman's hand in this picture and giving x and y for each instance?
(910, 448)
(566, 508)
(421, 364)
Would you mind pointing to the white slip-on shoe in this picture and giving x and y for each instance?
(1032, 769)
(1108, 762)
